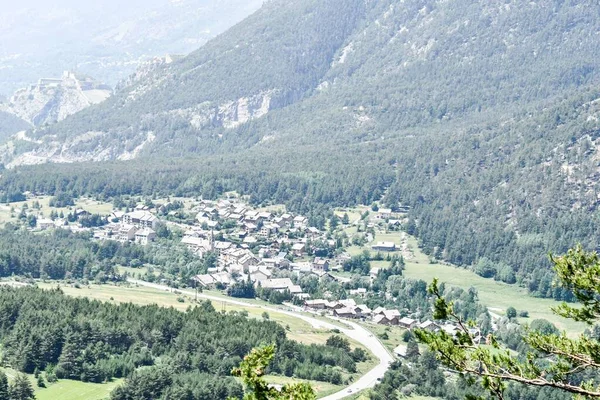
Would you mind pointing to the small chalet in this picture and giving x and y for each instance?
(384, 246)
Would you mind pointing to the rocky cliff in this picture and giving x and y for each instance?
(52, 100)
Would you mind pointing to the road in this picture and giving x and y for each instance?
(355, 331)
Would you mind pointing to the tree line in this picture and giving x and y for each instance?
(159, 351)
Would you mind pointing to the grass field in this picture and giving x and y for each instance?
(394, 334)
(298, 330)
(66, 389)
(92, 206)
(321, 388)
(496, 295)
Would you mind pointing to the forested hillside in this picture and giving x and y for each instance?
(483, 117)
(10, 124)
(162, 353)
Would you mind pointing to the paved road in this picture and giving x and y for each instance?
(354, 331)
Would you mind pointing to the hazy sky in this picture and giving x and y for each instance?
(104, 38)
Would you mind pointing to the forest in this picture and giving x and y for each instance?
(62, 254)
(162, 353)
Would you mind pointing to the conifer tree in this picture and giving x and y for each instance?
(579, 272)
(21, 389)
(3, 386)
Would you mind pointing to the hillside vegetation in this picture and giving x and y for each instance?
(480, 116)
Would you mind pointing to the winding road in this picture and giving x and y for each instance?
(355, 331)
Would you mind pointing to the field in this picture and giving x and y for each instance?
(321, 388)
(92, 206)
(66, 389)
(297, 329)
(498, 296)
(393, 333)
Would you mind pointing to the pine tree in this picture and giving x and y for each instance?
(253, 368)
(3, 386)
(579, 272)
(69, 362)
(21, 389)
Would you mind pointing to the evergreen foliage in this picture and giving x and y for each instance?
(552, 360)
(159, 351)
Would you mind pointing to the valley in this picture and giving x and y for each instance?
(299, 199)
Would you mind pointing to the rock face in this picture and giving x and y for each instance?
(52, 100)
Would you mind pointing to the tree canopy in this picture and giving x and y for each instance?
(553, 359)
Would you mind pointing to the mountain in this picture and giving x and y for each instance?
(52, 100)
(106, 39)
(11, 124)
(482, 117)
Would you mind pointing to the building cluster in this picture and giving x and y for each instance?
(256, 245)
(350, 309)
(137, 226)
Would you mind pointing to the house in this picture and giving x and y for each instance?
(296, 290)
(319, 304)
(212, 279)
(223, 278)
(300, 221)
(408, 323)
(384, 246)
(450, 329)
(80, 212)
(382, 320)
(267, 230)
(374, 272)
(429, 326)
(145, 236)
(45, 223)
(362, 311)
(345, 312)
(235, 217)
(358, 292)
(320, 264)
(195, 244)
(302, 267)
(205, 280)
(336, 305)
(126, 233)
(248, 260)
(219, 247)
(393, 316)
(384, 213)
(279, 284)
(265, 216)
(141, 219)
(379, 311)
(298, 249)
(401, 350)
(313, 232)
(116, 215)
(260, 274)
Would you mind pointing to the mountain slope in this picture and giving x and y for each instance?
(52, 100)
(483, 117)
(10, 124)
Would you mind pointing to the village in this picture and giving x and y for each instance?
(271, 249)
